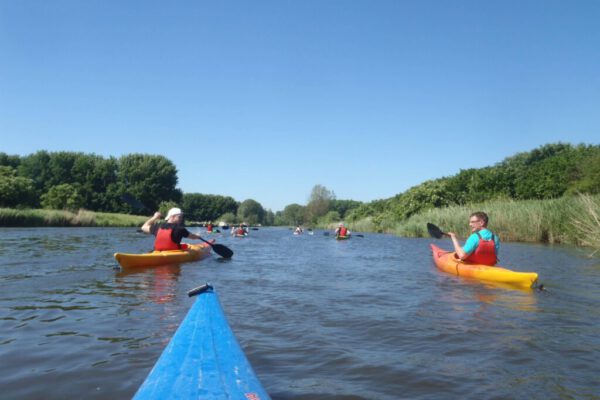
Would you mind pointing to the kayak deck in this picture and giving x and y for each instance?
(203, 360)
(156, 258)
(448, 262)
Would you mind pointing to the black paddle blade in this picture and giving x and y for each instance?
(434, 231)
(223, 251)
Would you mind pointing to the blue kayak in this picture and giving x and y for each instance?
(203, 360)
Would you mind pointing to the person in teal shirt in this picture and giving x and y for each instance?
(482, 246)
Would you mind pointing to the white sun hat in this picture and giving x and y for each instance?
(173, 212)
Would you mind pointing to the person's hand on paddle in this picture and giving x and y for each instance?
(457, 247)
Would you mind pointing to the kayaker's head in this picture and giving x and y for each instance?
(175, 215)
(478, 220)
(341, 224)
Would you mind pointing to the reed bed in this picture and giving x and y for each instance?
(568, 220)
(10, 217)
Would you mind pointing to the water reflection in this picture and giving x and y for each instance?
(159, 284)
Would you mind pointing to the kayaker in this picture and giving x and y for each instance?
(342, 230)
(298, 230)
(209, 227)
(170, 233)
(239, 231)
(482, 245)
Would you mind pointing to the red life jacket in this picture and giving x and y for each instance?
(485, 253)
(164, 241)
(343, 231)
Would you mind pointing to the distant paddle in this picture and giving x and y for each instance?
(220, 249)
(435, 231)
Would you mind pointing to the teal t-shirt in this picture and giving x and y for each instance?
(473, 241)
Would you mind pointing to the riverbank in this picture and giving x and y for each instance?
(10, 217)
(572, 220)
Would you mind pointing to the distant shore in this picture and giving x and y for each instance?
(10, 217)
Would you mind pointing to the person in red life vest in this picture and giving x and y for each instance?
(239, 231)
(209, 227)
(342, 230)
(481, 246)
(170, 233)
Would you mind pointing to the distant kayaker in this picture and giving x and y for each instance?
(342, 230)
(239, 231)
(298, 230)
(482, 245)
(170, 233)
(209, 227)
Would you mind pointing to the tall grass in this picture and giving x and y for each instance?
(10, 217)
(586, 221)
(568, 220)
(522, 221)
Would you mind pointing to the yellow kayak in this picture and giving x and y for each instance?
(448, 262)
(192, 253)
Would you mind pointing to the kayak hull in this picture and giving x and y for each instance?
(346, 237)
(447, 261)
(203, 360)
(156, 258)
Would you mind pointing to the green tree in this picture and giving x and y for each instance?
(35, 167)
(293, 214)
(251, 212)
(96, 181)
(342, 207)
(15, 191)
(149, 179)
(318, 204)
(207, 207)
(9, 161)
(62, 197)
(228, 218)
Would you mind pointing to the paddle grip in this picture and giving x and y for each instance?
(200, 289)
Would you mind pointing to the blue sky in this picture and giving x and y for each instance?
(265, 99)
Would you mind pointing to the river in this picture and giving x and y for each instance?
(367, 318)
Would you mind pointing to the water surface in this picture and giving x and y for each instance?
(367, 318)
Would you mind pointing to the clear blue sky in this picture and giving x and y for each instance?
(265, 99)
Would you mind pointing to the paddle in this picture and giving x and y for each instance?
(221, 250)
(435, 231)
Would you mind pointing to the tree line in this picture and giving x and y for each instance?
(141, 183)
(132, 184)
(548, 172)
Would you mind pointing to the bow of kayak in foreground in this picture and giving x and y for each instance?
(203, 360)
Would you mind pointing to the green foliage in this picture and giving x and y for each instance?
(292, 214)
(251, 212)
(330, 217)
(319, 203)
(15, 191)
(229, 218)
(148, 178)
(207, 207)
(343, 207)
(9, 161)
(165, 206)
(10, 217)
(62, 197)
